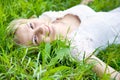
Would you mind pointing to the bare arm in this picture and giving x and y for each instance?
(101, 68)
(85, 2)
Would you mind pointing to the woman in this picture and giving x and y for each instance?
(86, 29)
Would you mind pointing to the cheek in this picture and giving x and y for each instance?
(47, 39)
(40, 38)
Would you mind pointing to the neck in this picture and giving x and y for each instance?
(67, 24)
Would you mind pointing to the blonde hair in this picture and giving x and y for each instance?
(13, 26)
(11, 29)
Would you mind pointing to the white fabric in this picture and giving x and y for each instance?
(80, 10)
(97, 29)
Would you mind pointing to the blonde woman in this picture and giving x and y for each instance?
(86, 29)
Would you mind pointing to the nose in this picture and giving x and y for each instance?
(39, 29)
(42, 29)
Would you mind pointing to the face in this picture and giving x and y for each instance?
(33, 32)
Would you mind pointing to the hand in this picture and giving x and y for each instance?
(85, 2)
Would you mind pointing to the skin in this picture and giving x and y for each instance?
(35, 31)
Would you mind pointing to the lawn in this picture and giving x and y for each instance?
(48, 61)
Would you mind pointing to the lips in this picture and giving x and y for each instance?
(48, 28)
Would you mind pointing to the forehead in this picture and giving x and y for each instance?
(23, 34)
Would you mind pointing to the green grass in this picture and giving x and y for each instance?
(49, 61)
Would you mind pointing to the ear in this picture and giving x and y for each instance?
(33, 16)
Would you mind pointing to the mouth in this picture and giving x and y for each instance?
(49, 31)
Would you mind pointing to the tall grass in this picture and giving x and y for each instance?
(49, 61)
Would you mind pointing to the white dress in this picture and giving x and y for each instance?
(96, 31)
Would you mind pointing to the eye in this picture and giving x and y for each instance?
(35, 40)
(31, 25)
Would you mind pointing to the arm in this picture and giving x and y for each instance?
(87, 46)
(101, 68)
(85, 2)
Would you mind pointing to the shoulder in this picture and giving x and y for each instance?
(81, 7)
